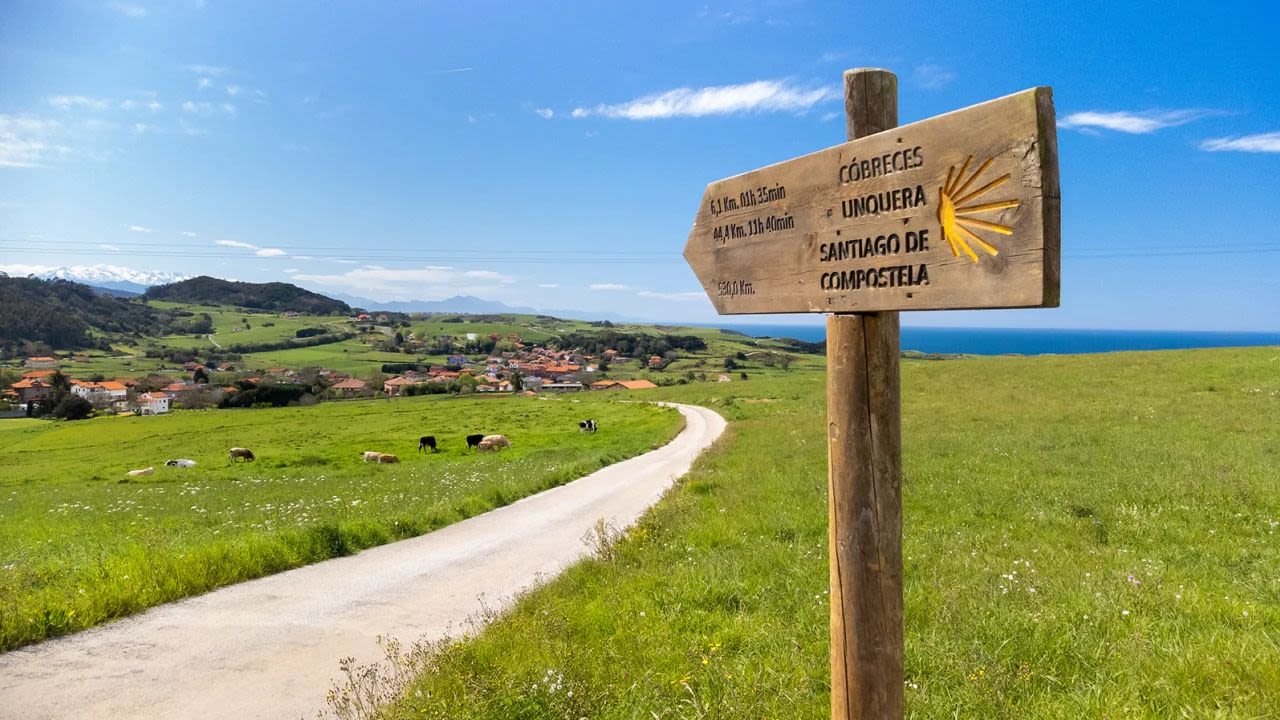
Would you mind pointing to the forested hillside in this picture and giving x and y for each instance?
(59, 314)
(274, 296)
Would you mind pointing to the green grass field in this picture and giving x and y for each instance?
(1088, 536)
(79, 544)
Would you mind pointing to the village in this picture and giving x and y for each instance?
(195, 385)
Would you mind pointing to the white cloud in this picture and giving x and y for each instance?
(291, 270)
(933, 77)
(545, 113)
(154, 106)
(607, 286)
(235, 244)
(430, 282)
(128, 9)
(548, 286)
(24, 140)
(303, 257)
(66, 102)
(112, 248)
(142, 128)
(204, 83)
(450, 71)
(677, 296)
(139, 229)
(269, 252)
(209, 70)
(188, 233)
(233, 90)
(758, 96)
(128, 104)
(197, 108)
(1135, 123)
(1259, 143)
(228, 108)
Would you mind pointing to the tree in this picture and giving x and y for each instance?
(743, 376)
(730, 364)
(200, 377)
(72, 407)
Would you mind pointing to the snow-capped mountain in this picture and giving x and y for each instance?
(112, 277)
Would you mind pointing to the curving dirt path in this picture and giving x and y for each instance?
(269, 648)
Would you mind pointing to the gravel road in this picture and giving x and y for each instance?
(269, 648)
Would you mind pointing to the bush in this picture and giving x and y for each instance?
(72, 407)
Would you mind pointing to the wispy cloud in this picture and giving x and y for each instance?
(1258, 143)
(450, 71)
(933, 77)
(25, 140)
(209, 70)
(545, 113)
(188, 233)
(66, 102)
(753, 97)
(128, 9)
(548, 286)
(430, 282)
(112, 248)
(259, 251)
(139, 229)
(677, 296)
(1135, 123)
(607, 286)
(233, 90)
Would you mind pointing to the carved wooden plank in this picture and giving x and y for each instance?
(957, 211)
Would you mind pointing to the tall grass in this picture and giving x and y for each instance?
(1089, 536)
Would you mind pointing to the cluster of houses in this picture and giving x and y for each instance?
(531, 370)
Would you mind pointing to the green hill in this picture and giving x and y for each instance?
(273, 296)
(64, 314)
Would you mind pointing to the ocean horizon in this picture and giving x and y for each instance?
(1028, 341)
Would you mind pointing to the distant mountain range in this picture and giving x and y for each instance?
(122, 280)
(127, 282)
(467, 304)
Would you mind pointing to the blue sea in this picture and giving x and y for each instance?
(1018, 341)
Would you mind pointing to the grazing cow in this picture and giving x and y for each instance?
(140, 473)
(388, 458)
(484, 446)
(371, 456)
(497, 441)
(242, 453)
(427, 441)
(587, 426)
(474, 440)
(180, 462)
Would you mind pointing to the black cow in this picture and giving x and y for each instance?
(474, 440)
(427, 441)
(587, 426)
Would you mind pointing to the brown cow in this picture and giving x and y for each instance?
(242, 453)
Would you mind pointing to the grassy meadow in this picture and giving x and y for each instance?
(81, 544)
(1084, 536)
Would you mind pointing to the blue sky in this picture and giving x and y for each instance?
(554, 155)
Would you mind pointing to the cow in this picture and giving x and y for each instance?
(242, 453)
(497, 441)
(180, 462)
(474, 440)
(371, 456)
(587, 426)
(388, 458)
(427, 441)
(140, 473)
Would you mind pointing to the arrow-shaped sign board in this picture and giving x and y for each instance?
(959, 211)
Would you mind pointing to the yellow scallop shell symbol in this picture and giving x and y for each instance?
(954, 214)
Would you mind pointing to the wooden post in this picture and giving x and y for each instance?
(864, 449)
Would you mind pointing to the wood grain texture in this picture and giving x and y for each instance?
(759, 240)
(864, 449)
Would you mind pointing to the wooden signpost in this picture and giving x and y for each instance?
(960, 211)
